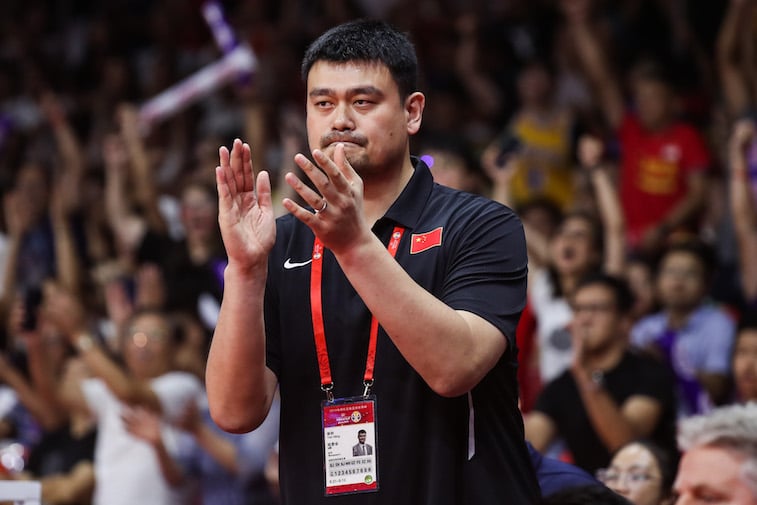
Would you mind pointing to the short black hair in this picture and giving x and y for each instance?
(624, 299)
(701, 250)
(367, 40)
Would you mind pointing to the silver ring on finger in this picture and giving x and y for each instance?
(323, 207)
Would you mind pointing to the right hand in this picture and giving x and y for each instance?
(245, 211)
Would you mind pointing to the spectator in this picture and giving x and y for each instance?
(610, 395)
(719, 457)
(128, 470)
(744, 362)
(583, 243)
(663, 160)
(689, 334)
(642, 472)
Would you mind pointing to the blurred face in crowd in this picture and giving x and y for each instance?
(199, 212)
(635, 474)
(745, 364)
(709, 475)
(641, 281)
(572, 247)
(359, 105)
(448, 169)
(681, 283)
(596, 318)
(654, 102)
(147, 346)
(534, 85)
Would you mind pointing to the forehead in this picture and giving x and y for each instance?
(634, 455)
(349, 75)
(682, 258)
(594, 292)
(696, 469)
(148, 322)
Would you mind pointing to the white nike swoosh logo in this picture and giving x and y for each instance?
(289, 264)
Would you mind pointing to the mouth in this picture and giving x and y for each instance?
(347, 140)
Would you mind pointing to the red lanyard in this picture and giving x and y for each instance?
(316, 308)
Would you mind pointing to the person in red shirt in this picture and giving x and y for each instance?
(663, 159)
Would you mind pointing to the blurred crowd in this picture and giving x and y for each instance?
(621, 131)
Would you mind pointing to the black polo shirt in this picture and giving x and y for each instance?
(423, 439)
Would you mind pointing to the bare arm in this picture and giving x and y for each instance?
(240, 386)
(68, 313)
(71, 488)
(594, 59)
(590, 151)
(540, 429)
(615, 424)
(145, 424)
(743, 208)
(733, 81)
(145, 191)
(488, 97)
(43, 412)
(219, 448)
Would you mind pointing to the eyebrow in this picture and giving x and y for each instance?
(360, 90)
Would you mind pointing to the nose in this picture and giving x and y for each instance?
(343, 120)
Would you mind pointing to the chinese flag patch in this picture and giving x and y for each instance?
(424, 241)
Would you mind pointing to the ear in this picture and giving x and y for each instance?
(414, 105)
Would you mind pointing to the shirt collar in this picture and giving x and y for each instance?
(408, 207)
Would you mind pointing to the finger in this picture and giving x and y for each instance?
(248, 171)
(225, 165)
(313, 172)
(263, 190)
(237, 166)
(338, 170)
(306, 192)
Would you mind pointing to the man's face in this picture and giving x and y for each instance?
(147, 346)
(359, 105)
(711, 475)
(361, 437)
(681, 281)
(654, 103)
(596, 320)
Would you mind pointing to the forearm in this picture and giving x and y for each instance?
(220, 449)
(594, 62)
(452, 350)
(613, 222)
(72, 488)
(604, 414)
(125, 388)
(240, 386)
(170, 470)
(44, 413)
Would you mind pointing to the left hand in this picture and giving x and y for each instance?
(143, 424)
(341, 223)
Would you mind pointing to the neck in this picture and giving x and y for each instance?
(607, 358)
(677, 318)
(381, 190)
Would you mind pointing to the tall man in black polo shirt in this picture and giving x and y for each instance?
(389, 304)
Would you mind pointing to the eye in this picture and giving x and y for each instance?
(363, 102)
